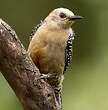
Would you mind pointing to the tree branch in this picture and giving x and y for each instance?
(21, 73)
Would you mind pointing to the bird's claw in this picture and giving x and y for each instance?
(48, 76)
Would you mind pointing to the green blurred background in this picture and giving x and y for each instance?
(86, 81)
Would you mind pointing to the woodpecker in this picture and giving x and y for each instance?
(51, 45)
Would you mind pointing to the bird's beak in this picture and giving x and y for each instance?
(75, 18)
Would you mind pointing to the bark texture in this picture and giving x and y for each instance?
(21, 73)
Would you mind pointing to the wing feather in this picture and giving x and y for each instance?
(35, 29)
(68, 51)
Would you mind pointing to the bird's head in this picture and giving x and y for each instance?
(62, 17)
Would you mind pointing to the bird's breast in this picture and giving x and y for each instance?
(48, 48)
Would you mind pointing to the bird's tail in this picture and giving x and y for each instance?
(57, 90)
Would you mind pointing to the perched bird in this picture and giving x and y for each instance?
(51, 46)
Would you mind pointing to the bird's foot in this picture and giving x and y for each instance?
(48, 76)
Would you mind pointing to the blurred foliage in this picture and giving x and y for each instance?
(85, 84)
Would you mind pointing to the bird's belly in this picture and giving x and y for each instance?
(53, 61)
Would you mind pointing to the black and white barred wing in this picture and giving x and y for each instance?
(34, 30)
(68, 51)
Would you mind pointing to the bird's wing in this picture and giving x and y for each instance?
(35, 29)
(68, 51)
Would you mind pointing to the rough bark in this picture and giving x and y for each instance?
(21, 73)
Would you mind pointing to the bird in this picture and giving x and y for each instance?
(50, 47)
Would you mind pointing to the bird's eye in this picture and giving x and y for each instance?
(62, 15)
